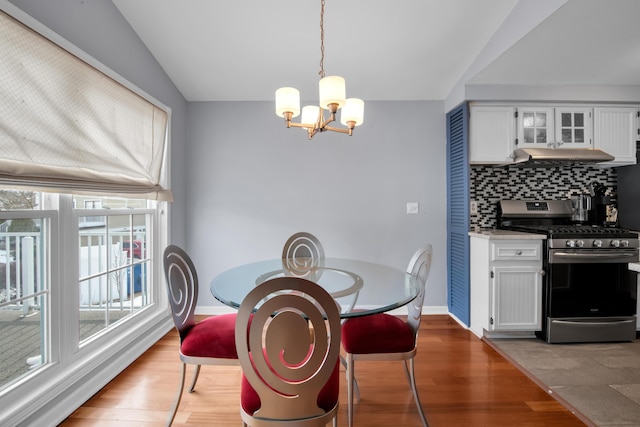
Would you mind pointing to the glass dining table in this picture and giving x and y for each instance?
(359, 287)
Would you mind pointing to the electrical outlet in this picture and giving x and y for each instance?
(412, 208)
(473, 207)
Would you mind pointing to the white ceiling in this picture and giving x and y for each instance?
(243, 50)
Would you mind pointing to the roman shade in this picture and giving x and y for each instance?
(65, 126)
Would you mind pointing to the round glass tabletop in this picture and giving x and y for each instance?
(359, 287)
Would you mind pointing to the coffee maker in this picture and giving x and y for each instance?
(602, 211)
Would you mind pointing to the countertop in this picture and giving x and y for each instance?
(634, 266)
(496, 234)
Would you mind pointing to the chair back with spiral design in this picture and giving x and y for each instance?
(288, 341)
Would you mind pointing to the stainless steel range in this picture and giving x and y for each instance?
(589, 294)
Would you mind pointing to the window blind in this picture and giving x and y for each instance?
(66, 126)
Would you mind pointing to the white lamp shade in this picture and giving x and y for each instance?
(332, 91)
(353, 111)
(288, 100)
(310, 114)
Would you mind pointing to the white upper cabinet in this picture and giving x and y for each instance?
(492, 135)
(615, 131)
(497, 130)
(573, 127)
(560, 127)
(535, 126)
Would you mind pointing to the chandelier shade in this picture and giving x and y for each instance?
(332, 91)
(310, 114)
(353, 111)
(288, 100)
(333, 96)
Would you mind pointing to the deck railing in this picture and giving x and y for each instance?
(110, 269)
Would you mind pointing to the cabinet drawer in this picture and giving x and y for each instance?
(505, 251)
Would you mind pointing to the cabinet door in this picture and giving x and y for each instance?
(615, 130)
(492, 138)
(573, 127)
(535, 127)
(516, 302)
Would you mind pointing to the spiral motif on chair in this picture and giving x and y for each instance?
(182, 285)
(290, 345)
(303, 256)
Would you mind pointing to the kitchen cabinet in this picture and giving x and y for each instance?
(497, 130)
(566, 127)
(615, 132)
(492, 134)
(535, 126)
(573, 127)
(506, 286)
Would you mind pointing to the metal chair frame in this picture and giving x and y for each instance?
(182, 290)
(419, 267)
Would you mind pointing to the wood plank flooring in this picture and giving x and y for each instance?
(461, 380)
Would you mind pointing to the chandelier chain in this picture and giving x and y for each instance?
(321, 39)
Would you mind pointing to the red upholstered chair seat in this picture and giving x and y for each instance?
(212, 337)
(379, 333)
(327, 397)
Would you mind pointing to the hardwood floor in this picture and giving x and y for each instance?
(461, 381)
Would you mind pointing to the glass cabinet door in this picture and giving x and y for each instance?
(573, 127)
(535, 126)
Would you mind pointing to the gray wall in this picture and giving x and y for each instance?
(252, 183)
(98, 28)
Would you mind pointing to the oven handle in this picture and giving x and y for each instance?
(605, 322)
(606, 256)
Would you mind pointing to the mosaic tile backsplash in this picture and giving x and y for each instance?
(489, 185)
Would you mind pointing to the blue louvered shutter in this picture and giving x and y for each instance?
(458, 212)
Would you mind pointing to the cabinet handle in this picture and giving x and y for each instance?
(542, 272)
(518, 252)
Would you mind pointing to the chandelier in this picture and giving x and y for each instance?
(332, 98)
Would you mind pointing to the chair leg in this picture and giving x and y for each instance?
(350, 380)
(414, 388)
(196, 372)
(356, 388)
(172, 415)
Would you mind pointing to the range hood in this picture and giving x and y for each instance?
(550, 157)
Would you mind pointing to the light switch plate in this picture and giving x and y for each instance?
(412, 208)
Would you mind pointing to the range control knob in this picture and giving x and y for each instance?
(580, 243)
(615, 243)
(570, 243)
(624, 243)
(597, 243)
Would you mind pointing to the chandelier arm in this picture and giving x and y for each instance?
(341, 130)
(332, 118)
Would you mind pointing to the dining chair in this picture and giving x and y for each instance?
(384, 337)
(303, 256)
(208, 342)
(288, 341)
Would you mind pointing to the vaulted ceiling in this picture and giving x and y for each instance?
(244, 50)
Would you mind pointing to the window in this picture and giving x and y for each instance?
(24, 286)
(113, 277)
(113, 262)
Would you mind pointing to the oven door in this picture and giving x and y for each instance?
(584, 283)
